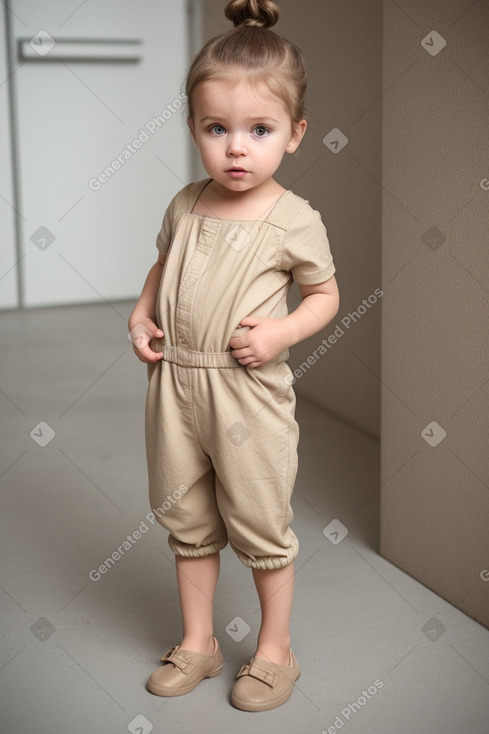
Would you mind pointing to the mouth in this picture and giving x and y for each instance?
(236, 168)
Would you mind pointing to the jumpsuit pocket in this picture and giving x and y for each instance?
(284, 380)
(273, 379)
(150, 370)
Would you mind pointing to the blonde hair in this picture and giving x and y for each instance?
(253, 49)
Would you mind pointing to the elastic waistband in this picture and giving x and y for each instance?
(190, 358)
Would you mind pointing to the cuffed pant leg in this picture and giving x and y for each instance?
(254, 453)
(181, 476)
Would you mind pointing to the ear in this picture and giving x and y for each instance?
(190, 124)
(299, 128)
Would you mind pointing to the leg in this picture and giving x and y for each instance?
(267, 681)
(275, 589)
(197, 581)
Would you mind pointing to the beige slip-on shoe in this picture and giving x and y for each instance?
(182, 670)
(262, 685)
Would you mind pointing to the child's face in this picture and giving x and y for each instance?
(233, 126)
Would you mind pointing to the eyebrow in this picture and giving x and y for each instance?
(252, 119)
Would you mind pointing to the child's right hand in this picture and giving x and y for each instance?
(140, 335)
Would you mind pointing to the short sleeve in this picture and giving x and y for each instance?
(306, 252)
(164, 236)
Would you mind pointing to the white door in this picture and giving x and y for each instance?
(100, 139)
(8, 252)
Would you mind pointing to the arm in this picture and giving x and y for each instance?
(142, 326)
(269, 337)
(320, 304)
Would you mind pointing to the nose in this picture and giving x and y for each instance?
(236, 145)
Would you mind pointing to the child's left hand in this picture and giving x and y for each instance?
(266, 339)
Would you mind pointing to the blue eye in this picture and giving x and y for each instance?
(217, 129)
(261, 131)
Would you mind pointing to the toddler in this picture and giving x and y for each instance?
(213, 327)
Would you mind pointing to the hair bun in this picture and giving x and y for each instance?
(262, 13)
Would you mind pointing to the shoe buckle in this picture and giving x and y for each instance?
(266, 676)
(178, 660)
(182, 663)
(167, 654)
(243, 670)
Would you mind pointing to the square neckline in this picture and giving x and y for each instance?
(224, 219)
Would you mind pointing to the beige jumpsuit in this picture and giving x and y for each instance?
(222, 438)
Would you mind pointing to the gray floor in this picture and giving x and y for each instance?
(76, 652)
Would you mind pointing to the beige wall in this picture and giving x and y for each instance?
(343, 51)
(435, 366)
